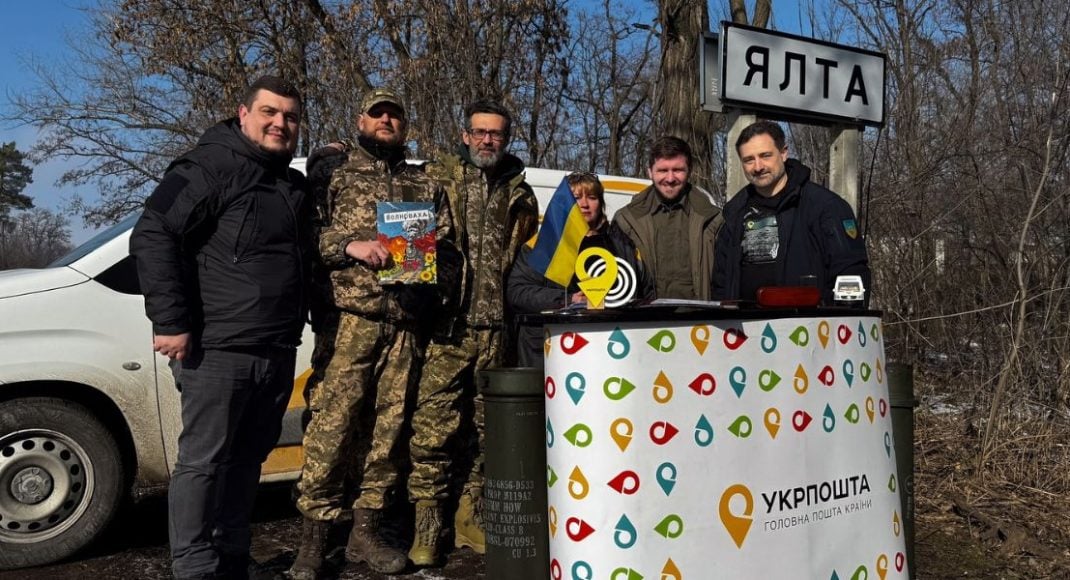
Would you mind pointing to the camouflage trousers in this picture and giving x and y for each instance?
(322, 352)
(447, 422)
(358, 414)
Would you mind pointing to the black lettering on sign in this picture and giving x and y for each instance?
(756, 68)
(825, 65)
(857, 86)
(799, 59)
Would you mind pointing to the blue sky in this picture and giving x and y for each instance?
(37, 30)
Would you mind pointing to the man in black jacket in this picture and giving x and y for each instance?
(221, 254)
(783, 229)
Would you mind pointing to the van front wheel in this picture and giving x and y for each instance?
(61, 480)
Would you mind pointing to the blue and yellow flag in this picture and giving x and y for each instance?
(563, 228)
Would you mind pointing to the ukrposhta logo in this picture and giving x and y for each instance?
(767, 443)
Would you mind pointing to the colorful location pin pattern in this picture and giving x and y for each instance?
(880, 566)
(625, 536)
(704, 384)
(848, 373)
(622, 430)
(660, 432)
(734, 337)
(626, 482)
(582, 570)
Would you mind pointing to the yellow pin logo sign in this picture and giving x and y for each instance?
(595, 288)
(737, 525)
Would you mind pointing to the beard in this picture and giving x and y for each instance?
(484, 159)
(387, 137)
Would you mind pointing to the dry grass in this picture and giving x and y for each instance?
(1008, 519)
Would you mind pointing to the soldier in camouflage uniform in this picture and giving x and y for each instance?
(494, 213)
(322, 311)
(377, 344)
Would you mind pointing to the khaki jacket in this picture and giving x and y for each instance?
(492, 218)
(704, 219)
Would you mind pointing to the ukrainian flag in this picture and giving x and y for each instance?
(558, 244)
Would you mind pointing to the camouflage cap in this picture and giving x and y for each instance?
(376, 96)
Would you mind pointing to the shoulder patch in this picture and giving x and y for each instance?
(166, 193)
(850, 228)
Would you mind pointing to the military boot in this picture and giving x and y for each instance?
(311, 551)
(468, 526)
(424, 550)
(367, 545)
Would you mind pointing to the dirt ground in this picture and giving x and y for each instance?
(1012, 523)
(135, 547)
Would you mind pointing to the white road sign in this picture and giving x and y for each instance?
(767, 70)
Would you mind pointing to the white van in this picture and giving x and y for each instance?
(89, 413)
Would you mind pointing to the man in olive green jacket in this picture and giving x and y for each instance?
(673, 225)
(494, 213)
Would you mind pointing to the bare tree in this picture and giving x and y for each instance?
(609, 89)
(448, 54)
(155, 74)
(152, 76)
(33, 239)
(762, 10)
(680, 114)
(970, 200)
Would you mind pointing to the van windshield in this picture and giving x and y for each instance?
(96, 241)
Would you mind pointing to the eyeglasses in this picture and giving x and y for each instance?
(480, 134)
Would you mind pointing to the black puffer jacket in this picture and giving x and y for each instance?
(818, 237)
(223, 246)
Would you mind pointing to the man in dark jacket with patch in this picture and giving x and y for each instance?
(221, 254)
(783, 229)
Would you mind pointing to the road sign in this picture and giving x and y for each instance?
(781, 73)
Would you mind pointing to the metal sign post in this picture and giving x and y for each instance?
(843, 164)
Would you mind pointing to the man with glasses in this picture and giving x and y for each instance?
(494, 213)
